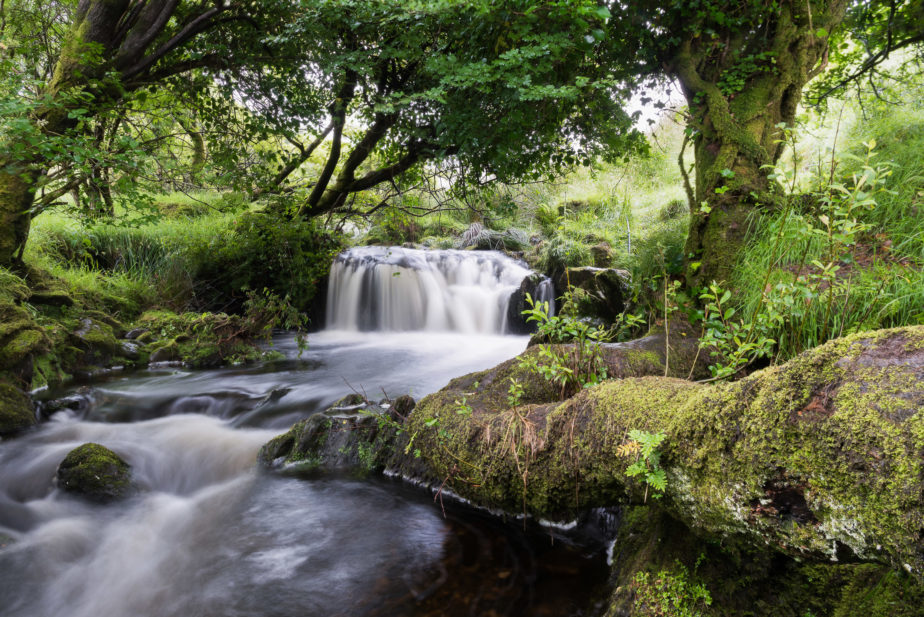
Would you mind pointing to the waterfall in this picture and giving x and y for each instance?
(400, 289)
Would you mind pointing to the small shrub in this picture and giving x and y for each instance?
(579, 367)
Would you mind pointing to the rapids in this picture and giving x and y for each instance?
(208, 534)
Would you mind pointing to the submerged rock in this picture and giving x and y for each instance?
(95, 472)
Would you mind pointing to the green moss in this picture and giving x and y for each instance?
(95, 472)
(48, 371)
(15, 408)
(742, 580)
(821, 457)
(200, 340)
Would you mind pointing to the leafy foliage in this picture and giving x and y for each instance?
(262, 252)
(670, 593)
(578, 367)
(647, 465)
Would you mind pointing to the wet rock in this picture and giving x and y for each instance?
(134, 333)
(80, 403)
(401, 407)
(599, 293)
(353, 433)
(539, 288)
(130, 351)
(97, 341)
(167, 353)
(16, 411)
(95, 472)
(350, 401)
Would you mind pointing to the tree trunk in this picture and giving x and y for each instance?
(105, 35)
(741, 95)
(17, 193)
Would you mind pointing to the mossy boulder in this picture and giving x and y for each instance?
(821, 458)
(353, 433)
(98, 341)
(95, 472)
(21, 338)
(16, 413)
(597, 293)
(660, 568)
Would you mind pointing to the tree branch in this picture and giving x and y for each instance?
(196, 26)
(295, 163)
(338, 119)
(149, 22)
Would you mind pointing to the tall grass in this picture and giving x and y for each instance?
(880, 281)
(152, 263)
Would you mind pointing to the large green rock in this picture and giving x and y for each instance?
(95, 472)
(659, 568)
(821, 458)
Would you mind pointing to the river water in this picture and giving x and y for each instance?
(209, 534)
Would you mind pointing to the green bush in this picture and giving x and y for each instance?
(260, 251)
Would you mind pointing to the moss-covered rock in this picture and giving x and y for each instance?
(353, 433)
(21, 338)
(597, 293)
(199, 340)
(821, 458)
(98, 341)
(95, 472)
(16, 411)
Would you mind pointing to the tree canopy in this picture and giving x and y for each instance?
(321, 99)
(509, 91)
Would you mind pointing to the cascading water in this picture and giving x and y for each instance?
(401, 289)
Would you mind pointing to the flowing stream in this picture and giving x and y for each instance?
(209, 534)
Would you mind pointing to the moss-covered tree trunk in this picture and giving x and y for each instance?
(740, 92)
(16, 196)
(112, 48)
